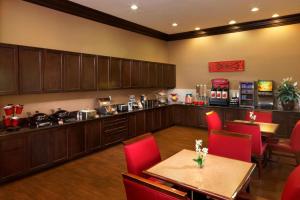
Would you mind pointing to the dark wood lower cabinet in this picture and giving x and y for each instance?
(114, 130)
(14, 157)
(59, 144)
(40, 142)
(76, 140)
(92, 135)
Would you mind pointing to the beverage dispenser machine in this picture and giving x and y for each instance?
(219, 94)
(265, 94)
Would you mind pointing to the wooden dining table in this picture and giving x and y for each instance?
(219, 178)
(267, 129)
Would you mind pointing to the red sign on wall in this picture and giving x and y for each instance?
(227, 66)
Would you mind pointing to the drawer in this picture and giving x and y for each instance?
(13, 143)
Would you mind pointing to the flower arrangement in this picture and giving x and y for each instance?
(288, 93)
(202, 152)
(252, 116)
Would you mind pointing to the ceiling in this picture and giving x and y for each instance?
(188, 14)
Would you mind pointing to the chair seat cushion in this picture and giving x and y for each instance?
(282, 145)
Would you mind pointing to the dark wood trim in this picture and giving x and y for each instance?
(245, 26)
(101, 17)
(156, 186)
(98, 16)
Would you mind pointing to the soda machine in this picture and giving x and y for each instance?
(219, 94)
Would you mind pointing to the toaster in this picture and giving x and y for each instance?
(122, 108)
(88, 114)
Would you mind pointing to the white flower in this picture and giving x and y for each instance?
(205, 151)
(198, 145)
(295, 84)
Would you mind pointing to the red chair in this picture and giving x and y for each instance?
(138, 188)
(261, 116)
(290, 146)
(141, 153)
(291, 189)
(258, 148)
(213, 121)
(230, 145)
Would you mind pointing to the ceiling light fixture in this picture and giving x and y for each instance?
(275, 15)
(197, 28)
(232, 22)
(134, 7)
(255, 9)
(174, 24)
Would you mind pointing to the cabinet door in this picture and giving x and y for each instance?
(166, 117)
(115, 73)
(149, 121)
(30, 70)
(132, 125)
(169, 76)
(71, 71)
(76, 143)
(88, 72)
(160, 75)
(135, 74)
(140, 123)
(283, 119)
(8, 69)
(103, 72)
(59, 144)
(144, 74)
(153, 75)
(93, 135)
(53, 68)
(179, 115)
(157, 119)
(39, 149)
(126, 73)
(13, 156)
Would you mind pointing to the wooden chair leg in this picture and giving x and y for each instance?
(260, 166)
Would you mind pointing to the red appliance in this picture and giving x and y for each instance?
(11, 120)
(219, 95)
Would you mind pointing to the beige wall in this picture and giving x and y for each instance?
(271, 53)
(28, 24)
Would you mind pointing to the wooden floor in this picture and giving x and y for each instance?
(98, 176)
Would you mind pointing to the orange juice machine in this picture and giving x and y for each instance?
(265, 94)
(219, 94)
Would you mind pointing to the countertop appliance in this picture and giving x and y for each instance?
(62, 116)
(247, 94)
(39, 120)
(265, 94)
(162, 97)
(122, 107)
(219, 95)
(105, 106)
(87, 114)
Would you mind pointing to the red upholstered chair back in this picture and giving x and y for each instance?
(295, 138)
(230, 145)
(213, 121)
(291, 189)
(250, 129)
(141, 153)
(138, 188)
(261, 116)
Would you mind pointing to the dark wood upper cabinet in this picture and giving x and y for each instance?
(88, 72)
(160, 75)
(115, 73)
(144, 74)
(169, 76)
(53, 71)
(103, 72)
(8, 69)
(135, 74)
(126, 73)
(30, 70)
(153, 74)
(71, 63)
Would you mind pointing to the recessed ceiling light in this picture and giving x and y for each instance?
(275, 15)
(255, 9)
(134, 7)
(232, 22)
(197, 28)
(174, 24)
